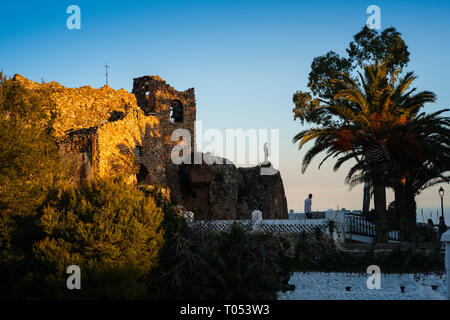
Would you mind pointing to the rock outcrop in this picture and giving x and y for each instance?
(222, 191)
(265, 193)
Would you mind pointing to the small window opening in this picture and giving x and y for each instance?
(176, 111)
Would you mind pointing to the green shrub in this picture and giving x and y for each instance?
(29, 167)
(109, 229)
(30, 163)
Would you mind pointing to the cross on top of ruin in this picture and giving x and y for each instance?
(107, 67)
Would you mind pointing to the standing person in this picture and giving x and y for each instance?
(430, 224)
(430, 230)
(308, 204)
(442, 226)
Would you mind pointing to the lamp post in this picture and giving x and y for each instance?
(441, 193)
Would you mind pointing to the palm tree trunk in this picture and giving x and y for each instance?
(378, 172)
(366, 197)
(410, 208)
(400, 209)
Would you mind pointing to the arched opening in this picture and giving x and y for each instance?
(176, 111)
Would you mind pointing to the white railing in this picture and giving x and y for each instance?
(346, 224)
(278, 225)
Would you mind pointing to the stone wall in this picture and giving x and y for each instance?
(155, 97)
(117, 134)
(124, 145)
(85, 107)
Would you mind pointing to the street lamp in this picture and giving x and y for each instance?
(441, 193)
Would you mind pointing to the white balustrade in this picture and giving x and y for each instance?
(257, 223)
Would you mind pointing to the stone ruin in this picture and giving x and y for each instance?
(115, 132)
(106, 132)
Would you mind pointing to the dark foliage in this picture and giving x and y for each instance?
(236, 264)
(313, 254)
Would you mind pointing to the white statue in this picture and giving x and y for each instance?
(266, 153)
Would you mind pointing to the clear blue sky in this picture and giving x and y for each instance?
(244, 58)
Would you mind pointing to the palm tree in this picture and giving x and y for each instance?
(366, 115)
(420, 158)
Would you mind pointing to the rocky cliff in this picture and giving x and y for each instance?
(265, 193)
(222, 191)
